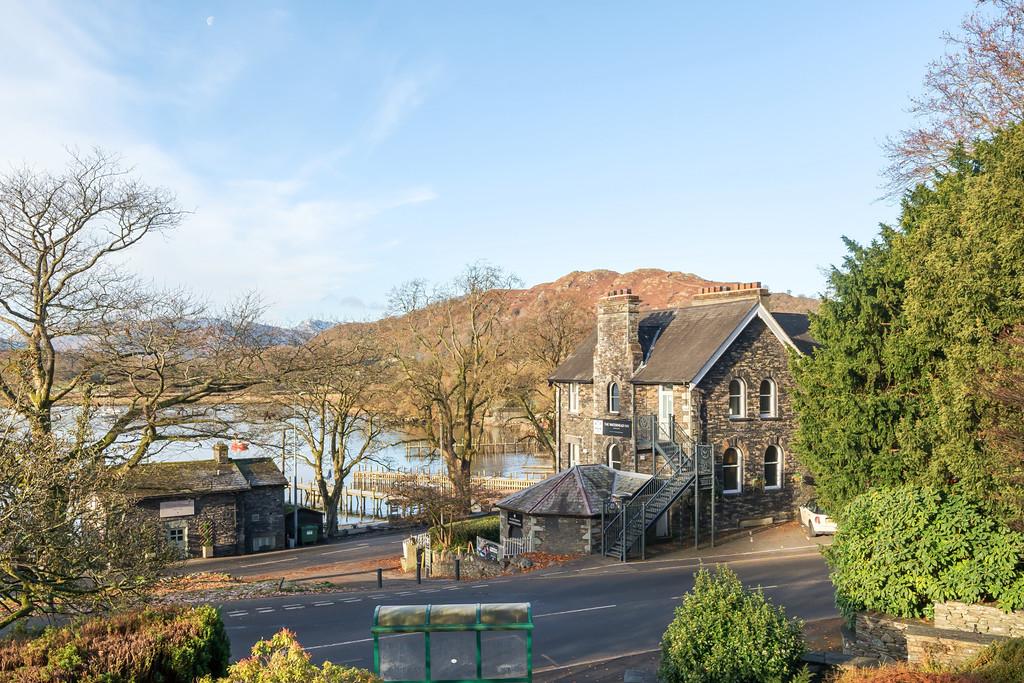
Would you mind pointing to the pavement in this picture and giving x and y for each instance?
(596, 619)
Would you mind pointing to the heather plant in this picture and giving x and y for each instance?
(282, 660)
(901, 549)
(726, 633)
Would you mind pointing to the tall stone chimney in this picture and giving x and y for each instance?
(731, 292)
(220, 453)
(617, 354)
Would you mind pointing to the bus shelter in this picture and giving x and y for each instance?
(453, 643)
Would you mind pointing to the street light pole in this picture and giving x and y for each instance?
(295, 491)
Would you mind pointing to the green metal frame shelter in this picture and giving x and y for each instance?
(453, 643)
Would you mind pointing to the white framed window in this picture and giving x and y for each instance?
(615, 456)
(574, 453)
(737, 398)
(773, 468)
(732, 471)
(767, 400)
(574, 397)
(613, 397)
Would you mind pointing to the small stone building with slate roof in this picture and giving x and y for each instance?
(238, 502)
(715, 372)
(562, 514)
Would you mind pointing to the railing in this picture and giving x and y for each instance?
(384, 482)
(514, 547)
(675, 471)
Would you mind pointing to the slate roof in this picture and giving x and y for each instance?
(576, 492)
(199, 477)
(677, 343)
(260, 471)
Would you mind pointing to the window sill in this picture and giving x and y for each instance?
(772, 488)
(739, 418)
(770, 417)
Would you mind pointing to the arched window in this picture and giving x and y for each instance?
(613, 397)
(767, 398)
(615, 456)
(773, 468)
(732, 474)
(737, 398)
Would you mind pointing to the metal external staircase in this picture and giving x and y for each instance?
(629, 521)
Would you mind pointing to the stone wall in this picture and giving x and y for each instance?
(219, 509)
(958, 633)
(559, 535)
(757, 354)
(262, 512)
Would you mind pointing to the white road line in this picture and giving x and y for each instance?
(292, 605)
(353, 600)
(451, 588)
(297, 607)
(346, 550)
(323, 604)
(237, 614)
(378, 597)
(260, 564)
(573, 611)
(481, 585)
(353, 642)
(431, 590)
(406, 593)
(556, 573)
(264, 610)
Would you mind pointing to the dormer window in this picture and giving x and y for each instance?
(574, 397)
(737, 398)
(613, 397)
(767, 400)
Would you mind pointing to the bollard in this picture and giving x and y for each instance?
(458, 573)
(380, 577)
(419, 565)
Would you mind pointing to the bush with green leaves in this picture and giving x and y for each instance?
(1000, 662)
(726, 633)
(464, 532)
(901, 549)
(167, 644)
(282, 660)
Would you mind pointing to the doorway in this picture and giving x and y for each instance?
(666, 408)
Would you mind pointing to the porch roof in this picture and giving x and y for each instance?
(578, 491)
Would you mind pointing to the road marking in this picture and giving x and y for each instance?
(556, 573)
(353, 600)
(406, 593)
(260, 564)
(324, 604)
(378, 597)
(354, 642)
(593, 661)
(345, 550)
(431, 590)
(296, 607)
(451, 588)
(806, 582)
(237, 614)
(264, 610)
(481, 585)
(573, 611)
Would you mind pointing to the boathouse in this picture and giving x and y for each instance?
(228, 506)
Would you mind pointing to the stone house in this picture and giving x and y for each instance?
(645, 385)
(564, 513)
(238, 503)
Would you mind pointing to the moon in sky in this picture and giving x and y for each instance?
(209, 21)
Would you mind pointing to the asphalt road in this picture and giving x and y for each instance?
(581, 614)
(353, 548)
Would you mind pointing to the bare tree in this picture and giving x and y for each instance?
(976, 88)
(70, 539)
(338, 405)
(450, 348)
(543, 343)
(80, 327)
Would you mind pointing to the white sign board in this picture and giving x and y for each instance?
(178, 508)
(598, 426)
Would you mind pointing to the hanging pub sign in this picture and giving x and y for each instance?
(622, 428)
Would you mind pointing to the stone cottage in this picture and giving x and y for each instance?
(564, 513)
(647, 386)
(238, 504)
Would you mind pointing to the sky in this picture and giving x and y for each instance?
(329, 151)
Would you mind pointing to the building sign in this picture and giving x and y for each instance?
(515, 519)
(178, 508)
(617, 428)
(705, 467)
(599, 427)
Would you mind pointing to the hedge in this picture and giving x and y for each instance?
(282, 660)
(166, 645)
(899, 550)
(467, 530)
(725, 633)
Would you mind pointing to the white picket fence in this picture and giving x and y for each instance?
(512, 547)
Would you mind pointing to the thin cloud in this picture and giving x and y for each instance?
(401, 97)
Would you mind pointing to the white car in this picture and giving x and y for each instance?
(814, 519)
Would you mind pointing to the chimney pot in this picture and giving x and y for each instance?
(220, 452)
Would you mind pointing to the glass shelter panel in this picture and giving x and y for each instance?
(453, 655)
(401, 657)
(503, 654)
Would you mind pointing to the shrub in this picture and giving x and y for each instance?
(1001, 662)
(165, 644)
(282, 660)
(898, 673)
(463, 532)
(901, 549)
(726, 633)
